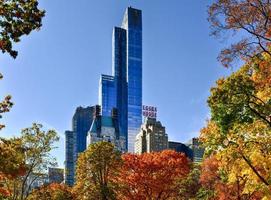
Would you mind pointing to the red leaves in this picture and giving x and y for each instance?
(152, 175)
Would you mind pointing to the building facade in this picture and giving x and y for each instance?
(69, 158)
(106, 128)
(107, 94)
(76, 140)
(151, 138)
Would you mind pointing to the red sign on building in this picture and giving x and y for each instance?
(149, 111)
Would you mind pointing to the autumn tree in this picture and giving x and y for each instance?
(217, 182)
(239, 132)
(12, 155)
(30, 159)
(52, 192)
(238, 99)
(249, 20)
(237, 138)
(96, 171)
(152, 175)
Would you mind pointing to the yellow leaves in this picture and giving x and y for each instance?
(245, 148)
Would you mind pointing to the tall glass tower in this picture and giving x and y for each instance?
(119, 71)
(127, 73)
(132, 23)
(75, 140)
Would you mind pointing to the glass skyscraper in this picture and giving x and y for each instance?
(132, 23)
(119, 93)
(119, 69)
(127, 72)
(76, 140)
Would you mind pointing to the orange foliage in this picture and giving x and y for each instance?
(212, 177)
(152, 175)
(209, 172)
(53, 191)
(4, 192)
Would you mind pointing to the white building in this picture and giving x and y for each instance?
(152, 137)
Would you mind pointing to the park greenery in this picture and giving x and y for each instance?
(236, 138)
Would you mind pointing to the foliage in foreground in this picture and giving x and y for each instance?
(96, 169)
(26, 158)
(237, 138)
(52, 192)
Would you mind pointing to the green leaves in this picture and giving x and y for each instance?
(96, 169)
(38, 144)
(239, 132)
(26, 158)
(234, 100)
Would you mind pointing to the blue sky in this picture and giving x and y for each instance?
(58, 68)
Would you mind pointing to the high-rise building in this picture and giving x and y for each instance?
(127, 70)
(122, 90)
(76, 140)
(69, 158)
(119, 71)
(132, 23)
(55, 175)
(152, 137)
(81, 122)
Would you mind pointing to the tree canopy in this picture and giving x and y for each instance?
(248, 20)
(18, 18)
(26, 158)
(97, 168)
(152, 175)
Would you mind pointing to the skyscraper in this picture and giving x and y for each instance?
(69, 171)
(127, 70)
(119, 71)
(132, 22)
(121, 91)
(76, 140)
